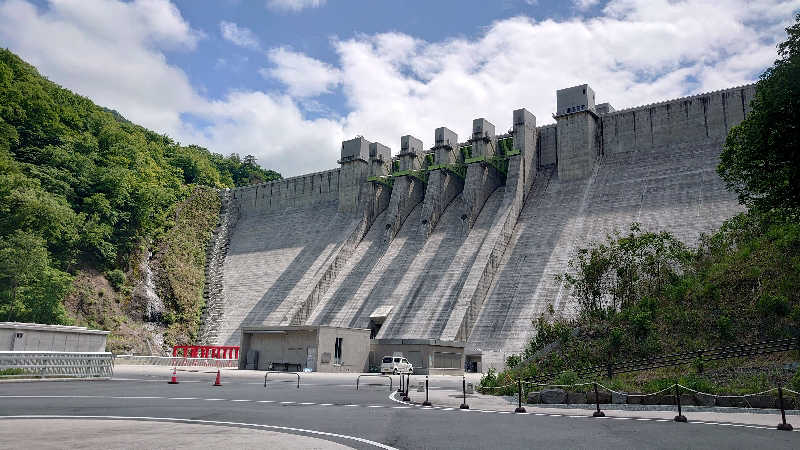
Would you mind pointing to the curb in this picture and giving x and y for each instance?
(38, 380)
(626, 407)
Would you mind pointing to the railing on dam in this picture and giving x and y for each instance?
(23, 364)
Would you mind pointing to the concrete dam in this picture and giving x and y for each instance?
(461, 242)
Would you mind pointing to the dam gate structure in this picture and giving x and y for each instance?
(460, 243)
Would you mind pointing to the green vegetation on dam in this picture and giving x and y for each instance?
(85, 197)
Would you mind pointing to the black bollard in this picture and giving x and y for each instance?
(464, 390)
(400, 389)
(519, 409)
(426, 402)
(406, 398)
(680, 417)
(783, 426)
(597, 413)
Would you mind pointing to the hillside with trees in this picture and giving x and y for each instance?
(85, 197)
(642, 293)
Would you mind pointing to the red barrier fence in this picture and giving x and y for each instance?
(206, 351)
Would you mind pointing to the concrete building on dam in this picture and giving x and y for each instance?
(451, 251)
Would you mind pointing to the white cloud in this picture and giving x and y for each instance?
(241, 36)
(585, 4)
(635, 52)
(303, 76)
(294, 5)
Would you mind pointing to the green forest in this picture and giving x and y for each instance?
(643, 293)
(84, 193)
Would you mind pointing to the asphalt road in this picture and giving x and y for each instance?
(359, 419)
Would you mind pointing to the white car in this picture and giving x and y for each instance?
(395, 365)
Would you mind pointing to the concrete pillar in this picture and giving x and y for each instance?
(525, 141)
(354, 171)
(380, 159)
(410, 153)
(445, 146)
(484, 141)
(577, 145)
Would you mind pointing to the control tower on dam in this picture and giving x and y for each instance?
(459, 243)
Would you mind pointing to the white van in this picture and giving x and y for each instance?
(395, 365)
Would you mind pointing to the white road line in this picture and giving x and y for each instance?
(266, 401)
(643, 419)
(351, 405)
(214, 399)
(307, 403)
(135, 398)
(288, 403)
(375, 406)
(401, 407)
(326, 404)
(214, 422)
(241, 400)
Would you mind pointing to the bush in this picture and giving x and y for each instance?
(777, 305)
(117, 278)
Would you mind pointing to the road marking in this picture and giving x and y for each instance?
(287, 403)
(375, 406)
(351, 405)
(182, 398)
(326, 404)
(214, 399)
(402, 407)
(212, 422)
(266, 401)
(135, 398)
(240, 400)
(307, 403)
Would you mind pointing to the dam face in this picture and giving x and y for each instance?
(461, 242)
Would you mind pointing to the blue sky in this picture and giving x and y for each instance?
(288, 80)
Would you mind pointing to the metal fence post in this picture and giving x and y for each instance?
(464, 405)
(680, 417)
(426, 402)
(597, 413)
(519, 409)
(783, 426)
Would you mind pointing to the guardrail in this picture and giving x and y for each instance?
(281, 372)
(358, 379)
(57, 364)
(178, 361)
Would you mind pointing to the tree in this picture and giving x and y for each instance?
(761, 157)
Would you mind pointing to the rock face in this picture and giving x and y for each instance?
(553, 396)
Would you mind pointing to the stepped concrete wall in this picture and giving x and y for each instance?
(443, 187)
(475, 259)
(407, 193)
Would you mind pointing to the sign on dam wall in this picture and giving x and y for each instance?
(461, 242)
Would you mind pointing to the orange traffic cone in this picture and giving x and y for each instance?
(174, 379)
(217, 383)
